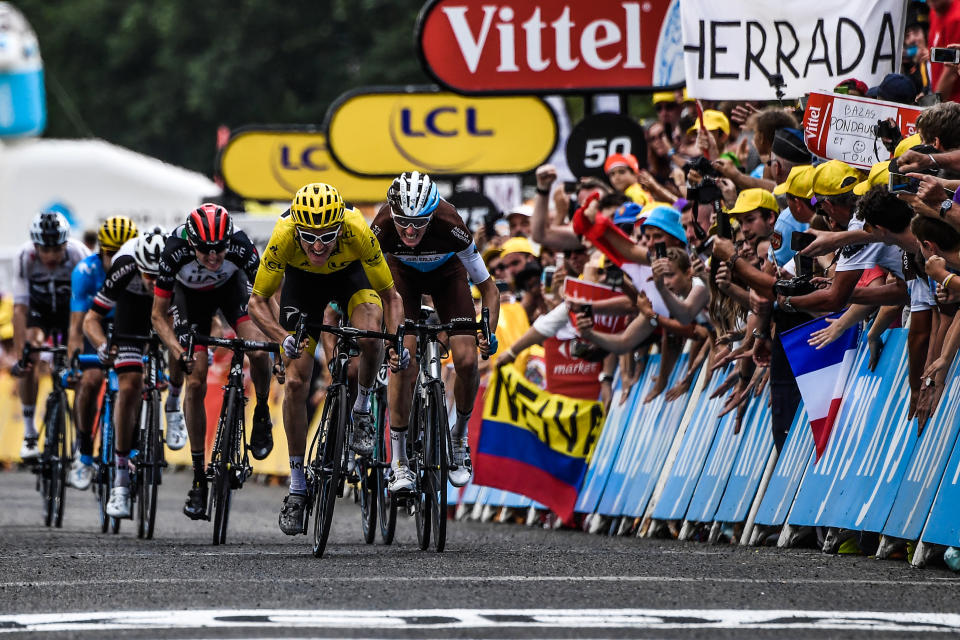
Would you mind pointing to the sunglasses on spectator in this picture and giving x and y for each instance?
(417, 223)
(323, 238)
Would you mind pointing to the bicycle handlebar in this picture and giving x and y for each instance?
(482, 325)
(234, 344)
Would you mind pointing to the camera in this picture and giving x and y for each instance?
(798, 286)
(889, 134)
(945, 55)
(702, 166)
(587, 351)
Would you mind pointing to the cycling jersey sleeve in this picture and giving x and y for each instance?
(269, 273)
(168, 269)
(476, 269)
(80, 294)
(123, 269)
(244, 255)
(21, 288)
(374, 264)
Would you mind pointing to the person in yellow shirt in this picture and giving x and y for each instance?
(322, 251)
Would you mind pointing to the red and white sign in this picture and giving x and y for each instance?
(841, 127)
(541, 46)
(592, 291)
(570, 376)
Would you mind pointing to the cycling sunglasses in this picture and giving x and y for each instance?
(417, 223)
(323, 238)
(211, 247)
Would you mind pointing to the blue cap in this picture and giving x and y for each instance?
(627, 214)
(897, 87)
(667, 219)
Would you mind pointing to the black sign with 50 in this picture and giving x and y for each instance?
(599, 136)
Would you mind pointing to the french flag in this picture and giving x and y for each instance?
(821, 374)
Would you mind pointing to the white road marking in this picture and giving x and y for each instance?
(688, 619)
(934, 582)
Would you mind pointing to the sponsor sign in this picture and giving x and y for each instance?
(791, 465)
(840, 127)
(475, 208)
(545, 46)
(383, 132)
(601, 135)
(733, 49)
(272, 164)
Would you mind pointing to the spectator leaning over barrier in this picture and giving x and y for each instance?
(938, 126)
(797, 189)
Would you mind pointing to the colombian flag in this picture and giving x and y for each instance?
(535, 443)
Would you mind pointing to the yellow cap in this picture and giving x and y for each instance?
(490, 253)
(518, 245)
(686, 96)
(834, 178)
(879, 174)
(753, 199)
(664, 96)
(906, 144)
(799, 182)
(714, 120)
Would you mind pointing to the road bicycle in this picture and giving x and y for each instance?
(431, 451)
(375, 504)
(326, 469)
(229, 461)
(105, 471)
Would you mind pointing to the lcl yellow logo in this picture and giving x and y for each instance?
(266, 164)
(383, 134)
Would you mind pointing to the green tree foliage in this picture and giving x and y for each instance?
(160, 77)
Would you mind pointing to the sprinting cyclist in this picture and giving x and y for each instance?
(322, 251)
(207, 266)
(41, 304)
(127, 291)
(421, 233)
(87, 279)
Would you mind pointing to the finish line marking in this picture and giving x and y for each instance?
(653, 619)
(46, 584)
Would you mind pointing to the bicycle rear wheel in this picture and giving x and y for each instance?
(223, 455)
(438, 463)
(148, 468)
(386, 506)
(327, 465)
(57, 460)
(368, 498)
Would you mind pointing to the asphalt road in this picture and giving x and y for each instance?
(494, 581)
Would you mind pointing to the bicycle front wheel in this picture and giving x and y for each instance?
(327, 465)
(386, 506)
(420, 467)
(368, 498)
(148, 468)
(222, 457)
(439, 447)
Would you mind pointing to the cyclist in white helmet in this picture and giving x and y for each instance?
(420, 233)
(128, 292)
(41, 304)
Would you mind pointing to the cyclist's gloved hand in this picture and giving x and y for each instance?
(403, 361)
(290, 347)
(103, 353)
(18, 369)
(494, 344)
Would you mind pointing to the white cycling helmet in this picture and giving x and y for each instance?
(147, 250)
(413, 194)
(49, 229)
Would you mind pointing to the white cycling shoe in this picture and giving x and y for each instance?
(460, 476)
(402, 479)
(81, 475)
(176, 430)
(29, 451)
(119, 504)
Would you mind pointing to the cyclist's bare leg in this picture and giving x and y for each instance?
(125, 420)
(193, 407)
(399, 396)
(296, 388)
(85, 405)
(260, 368)
(27, 385)
(369, 317)
(464, 352)
(176, 383)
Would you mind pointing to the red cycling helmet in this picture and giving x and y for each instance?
(209, 224)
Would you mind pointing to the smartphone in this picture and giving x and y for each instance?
(570, 187)
(660, 249)
(903, 183)
(945, 55)
(614, 276)
(800, 240)
(587, 310)
(546, 278)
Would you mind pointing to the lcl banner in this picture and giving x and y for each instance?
(384, 131)
(733, 50)
(551, 46)
(272, 164)
(841, 127)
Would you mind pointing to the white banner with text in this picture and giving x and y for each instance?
(740, 49)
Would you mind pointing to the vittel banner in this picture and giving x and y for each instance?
(545, 46)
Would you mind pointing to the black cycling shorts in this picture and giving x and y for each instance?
(310, 293)
(51, 323)
(447, 285)
(131, 316)
(198, 306)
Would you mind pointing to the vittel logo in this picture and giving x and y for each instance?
(599, 44)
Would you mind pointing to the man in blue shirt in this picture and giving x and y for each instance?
(85, 282)
(798, 214)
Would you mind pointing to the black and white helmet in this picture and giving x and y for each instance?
(413, 194)
(147, 250)
(49, 229)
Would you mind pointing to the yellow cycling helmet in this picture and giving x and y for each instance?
(317, 205)
(114, 231)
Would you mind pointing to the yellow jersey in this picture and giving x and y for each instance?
(356, 242)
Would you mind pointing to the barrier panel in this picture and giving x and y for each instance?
(744, 479)
(696, 444)
(797, 453)
(868, 449)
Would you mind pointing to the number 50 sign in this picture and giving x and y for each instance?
(599, 136)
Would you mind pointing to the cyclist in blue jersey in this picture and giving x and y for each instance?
(85, 281)
(421, 234)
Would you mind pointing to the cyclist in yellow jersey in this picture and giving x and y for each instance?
(322, 251)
